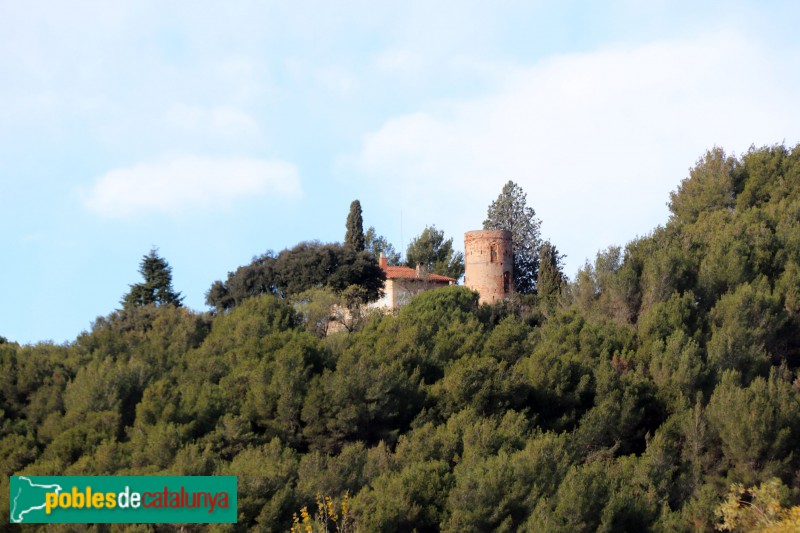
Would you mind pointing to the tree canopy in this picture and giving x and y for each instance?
(510, 211)
(157, 286)
(355, 227)
(306, 266)
(551, 279)
(435, 253)
(378, 244)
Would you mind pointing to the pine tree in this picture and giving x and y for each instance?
(435, 254)
(511, 212)
(157, 286)
(355, 227)
(378, 244)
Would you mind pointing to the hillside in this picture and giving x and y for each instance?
(630, 400)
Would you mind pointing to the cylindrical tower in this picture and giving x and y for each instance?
(489, 264)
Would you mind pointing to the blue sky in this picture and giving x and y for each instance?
(217, 131)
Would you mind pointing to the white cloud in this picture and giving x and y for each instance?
(188, 183)
(596, 139)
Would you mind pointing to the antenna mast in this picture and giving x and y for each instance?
(402, 244)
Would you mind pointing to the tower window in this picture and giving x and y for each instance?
(493, 254)
(506, 281)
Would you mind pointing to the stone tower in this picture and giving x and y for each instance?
(489, 264)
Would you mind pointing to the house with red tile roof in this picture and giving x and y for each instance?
(402, 283)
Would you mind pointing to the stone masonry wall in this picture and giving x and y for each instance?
(489, 264)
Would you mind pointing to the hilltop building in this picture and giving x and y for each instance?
(489, 270)
(489, 264)
(403, 282)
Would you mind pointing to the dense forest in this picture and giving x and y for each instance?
(656, 391)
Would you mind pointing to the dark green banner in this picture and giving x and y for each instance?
(122, 499)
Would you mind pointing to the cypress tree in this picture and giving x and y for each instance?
(355, 227)
(551, 279)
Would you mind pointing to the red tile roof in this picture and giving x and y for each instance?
(398, 272)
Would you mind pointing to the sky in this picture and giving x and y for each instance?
(218, 131)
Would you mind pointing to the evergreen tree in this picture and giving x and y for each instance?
(511, 212)
(435, 254)
(378, 244)
(712, 184)
(551, 279)
(355, 227)
(157, 286)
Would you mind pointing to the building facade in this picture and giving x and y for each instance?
(402, 283)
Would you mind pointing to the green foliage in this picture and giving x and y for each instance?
(354, 237)
(551, 280)
(373, 403)
(309, 265)
(625, 410)
(319, 310)
(511, 212)
(772, 175)
(497, 492)
(673, 313)
(435, 254)
(712, 184)
(320, 473)
(157, 286)
(597, 496)
(578, 503)
(745, 328)
(413, 498)
(612, 285)
(378, 244)
(481, 383)
(758, 425)
(510, 340)
(265, 475)
(677, 370)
